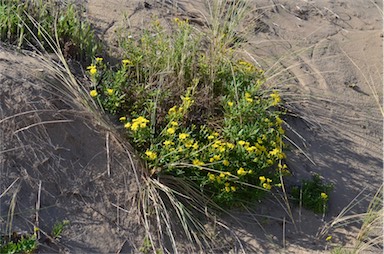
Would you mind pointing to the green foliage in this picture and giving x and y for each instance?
(313, 194)
(58, 228)
(23, 244)
(22, 22)
(201, 117)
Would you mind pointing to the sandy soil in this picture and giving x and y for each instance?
(326, 56)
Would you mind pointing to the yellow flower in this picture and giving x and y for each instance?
(247, 95)
(324, 195)
(241, 142)
(139, 122)
(278, 121)
(126, 62)
(233, 188)
(172, 110)
(122, 119)
(217, 157)
(262, 179)
(151, 155)
(211, 137)
(250, 171)
(211, 159)
(230, 145)
(276, 98)
(183, 136)
(211, 177)
(241, 172)
(93, 93)
(99, 59)
(92, 69)
(171, 131)
(328, 238)
(269, 180)
(168, 142)
(135, 126)
(227, 189)
(267, 186)
(222, 175)
(216, 134)
(195, 146)
(249, 100)
(230, 103)
(127, 125)
(110, 91)
(197, 162)
(226, 163)
(174, 123)
(189, 143)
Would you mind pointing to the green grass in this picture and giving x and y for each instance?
(19, 19)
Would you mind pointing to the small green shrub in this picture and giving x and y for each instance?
(194, 114)
(18, 244)
(58, 228)
(22, 22)
(313, 194)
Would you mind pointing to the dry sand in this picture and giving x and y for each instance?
(326, 56)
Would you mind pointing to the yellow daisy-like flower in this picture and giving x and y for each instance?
(172, 110)
(195, 146)
(222, 175)
(274, 152)
(110, 91)
(262, 179)
(226, 163)
(151, 155)
(269, 180)
(211, 159)
(230, 103)
(249, 100)
(227, 189)
(127, 125)
(99, 59)
(230, 145)
(211, 137)
(241, 172)
(324, 195)
(267, 186)
(171, 131)
(93, 93)
(276, 98)
(250, 171)
(211, 177)
(123, 118)
(174, 123)
(233, 188)
(92, 69)
(197, 162)
(183, 136)
(168, 143)
(241, 142)
(126, 62)
(328, 238)
(216, 157)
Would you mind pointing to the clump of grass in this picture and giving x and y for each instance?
(18, 244)
(313, 194)
(17, 26)
(220, 131)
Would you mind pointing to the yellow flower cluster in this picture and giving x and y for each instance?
(324, 195)
(265, 182)
(151, 155)
(276, 98)
(92, 69)
(248, 97)
(243, 172)
(137, 123)
(229, 188)
(127, 62)
(247, 66)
